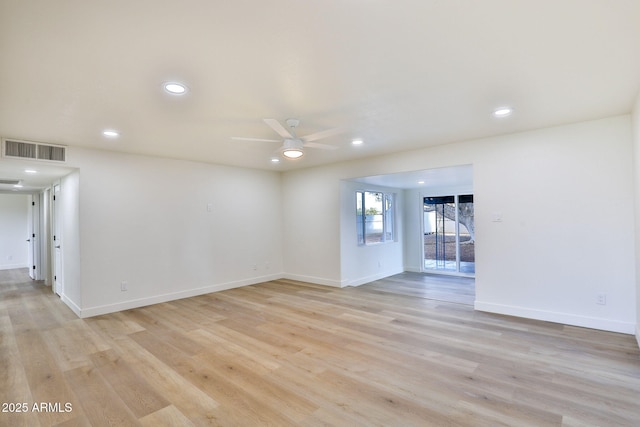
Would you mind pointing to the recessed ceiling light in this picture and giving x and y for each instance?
(503, 112)
(175, 88)
(111, 133)
(357, 142)
(420, 182)
(30, 171)
(275, 160)
(17, 186)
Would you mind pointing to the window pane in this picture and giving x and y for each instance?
(360, 217)
(389, 217)
(373, 217)
(467, 234)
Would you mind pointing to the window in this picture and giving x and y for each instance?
(375, 217)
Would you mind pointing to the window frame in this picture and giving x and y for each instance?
(388, 202)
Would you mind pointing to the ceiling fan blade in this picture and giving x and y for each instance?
(280, 130)
(239, 138)
(323, 134)
(321, 146)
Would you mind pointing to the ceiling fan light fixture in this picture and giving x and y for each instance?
(292, 153)
(292, 148)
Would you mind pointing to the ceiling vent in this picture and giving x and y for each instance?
(33, 150)
(9, 181)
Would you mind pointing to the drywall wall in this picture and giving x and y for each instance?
(13, 231)
(67, 206)
(164, 229)
(364, 263)
(551, 255)
(635, 123)
(311, 206)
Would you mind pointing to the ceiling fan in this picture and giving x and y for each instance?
(292, 145)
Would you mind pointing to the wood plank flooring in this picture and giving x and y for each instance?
(288, 353)
(457, 289)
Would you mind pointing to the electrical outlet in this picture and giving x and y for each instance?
(601, 298)
(124, 286)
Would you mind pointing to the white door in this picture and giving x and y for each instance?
(32, 220)
(57, 241)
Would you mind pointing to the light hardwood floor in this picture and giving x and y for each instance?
(288, 353)
(432, 286)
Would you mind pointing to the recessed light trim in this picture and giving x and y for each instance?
(503, 112)
(175, 88)
(110, 133)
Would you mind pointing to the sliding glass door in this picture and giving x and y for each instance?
(449, 234)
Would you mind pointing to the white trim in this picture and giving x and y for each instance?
(13, 266)
(127, 305)
(72, 305)
(373, 277)
(315, 280)
(564, 318)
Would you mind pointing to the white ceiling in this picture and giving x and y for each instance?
(398, 74)
(449, 178)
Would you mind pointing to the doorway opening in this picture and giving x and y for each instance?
(449, 234)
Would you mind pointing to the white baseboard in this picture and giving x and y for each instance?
(314, 280)
(72, 305)
(157, 299)
(564, 318)
(12, 266)
(368, 279)
(638, 335)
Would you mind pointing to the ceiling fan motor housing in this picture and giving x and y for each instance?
(292, 144)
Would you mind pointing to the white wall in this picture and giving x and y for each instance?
(13, 231)
(549, 267)
(364, 263)
(145, 221)
(636, 160)
(311, 206)
(553, 266)
(67, 206)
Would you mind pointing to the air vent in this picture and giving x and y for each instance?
(9, 181)
(33, 150)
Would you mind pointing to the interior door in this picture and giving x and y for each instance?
(31, 237)
(57, 241)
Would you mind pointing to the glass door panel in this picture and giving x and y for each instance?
(449, 234)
